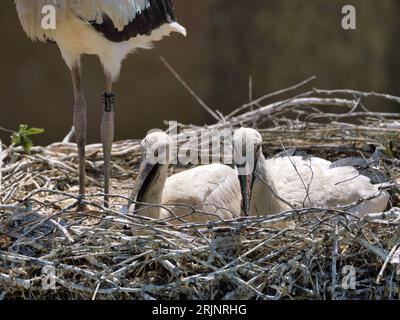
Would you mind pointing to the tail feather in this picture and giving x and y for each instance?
(178, 28)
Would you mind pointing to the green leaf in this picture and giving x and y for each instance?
(21, 138)
(27, 145)
(34, 131)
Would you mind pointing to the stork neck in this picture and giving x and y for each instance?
(153, 194)
(264, 200)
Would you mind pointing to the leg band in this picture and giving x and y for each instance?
(109, 102)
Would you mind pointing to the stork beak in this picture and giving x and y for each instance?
(247, 179)
(246, 187)
(146, 172)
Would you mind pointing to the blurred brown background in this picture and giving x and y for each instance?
(278, 43)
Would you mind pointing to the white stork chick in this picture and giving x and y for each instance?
(276, 184)
(110, 29)
(212, 191)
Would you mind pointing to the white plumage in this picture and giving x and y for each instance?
(213, 191)
(285, 181)
(75, 35)
(323, 186)
(121, 12)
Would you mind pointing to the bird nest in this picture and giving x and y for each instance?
(49, 251)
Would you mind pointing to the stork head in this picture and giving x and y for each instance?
(155, 147)
(247, 146)
(154, 164)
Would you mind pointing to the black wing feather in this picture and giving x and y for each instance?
(159, 12)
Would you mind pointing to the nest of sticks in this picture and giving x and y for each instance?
(48, 251)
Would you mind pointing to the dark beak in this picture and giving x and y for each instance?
(246, 180)
(246, 188)
(146, 173)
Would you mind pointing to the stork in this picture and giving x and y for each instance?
(281, 183)
(205, 193)
(110, 29)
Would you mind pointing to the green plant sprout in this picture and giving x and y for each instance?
(22, 137)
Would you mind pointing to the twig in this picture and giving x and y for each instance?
(389, 257)
(189, 89)
(68, 138)
(334, 259)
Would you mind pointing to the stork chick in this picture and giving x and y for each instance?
(279, 184)
(205, 193)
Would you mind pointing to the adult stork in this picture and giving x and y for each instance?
(285, 182)
(110, 29)
(205, 193)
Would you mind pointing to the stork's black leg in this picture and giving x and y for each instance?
(80, 126)
(107, 136)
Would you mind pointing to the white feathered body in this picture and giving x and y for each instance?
(204, 193)
(320, 185)
(75, 35)
(213, 189)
